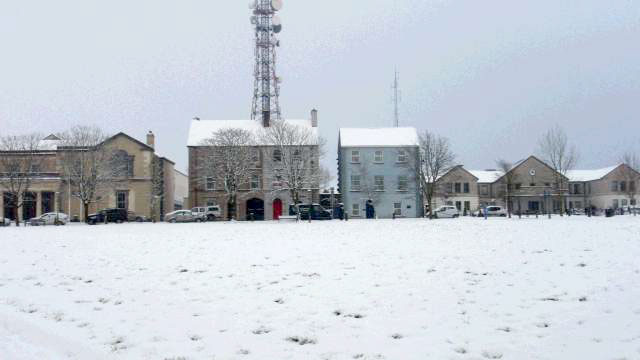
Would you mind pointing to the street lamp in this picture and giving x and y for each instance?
(310, 204)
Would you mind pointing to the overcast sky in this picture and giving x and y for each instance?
(490, 75)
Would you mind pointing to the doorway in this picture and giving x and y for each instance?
(277, 209)
(255, 209)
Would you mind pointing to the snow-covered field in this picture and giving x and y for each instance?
(566, 288)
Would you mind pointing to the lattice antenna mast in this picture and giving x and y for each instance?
(396, 98)
(266, 105)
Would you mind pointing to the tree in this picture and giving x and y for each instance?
(296, 152)
(555, 150)
(89, 165)
(229, 160)
(508, 181)
(630, 171)
(19, 166)
(436, 158)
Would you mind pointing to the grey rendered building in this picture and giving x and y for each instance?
(378, 165)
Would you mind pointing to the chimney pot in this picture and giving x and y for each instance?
(314, 118)
(151, 139)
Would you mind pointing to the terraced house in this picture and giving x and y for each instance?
(145, 184)
(532, 186)
(378, 166)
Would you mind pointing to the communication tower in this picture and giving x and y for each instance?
(266, 106)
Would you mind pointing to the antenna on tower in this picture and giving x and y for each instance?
(266, 105)
(396, 98)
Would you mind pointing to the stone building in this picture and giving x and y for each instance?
(263, 197)
(148, 185)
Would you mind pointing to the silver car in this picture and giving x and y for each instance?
(184, 216)
(49, 219)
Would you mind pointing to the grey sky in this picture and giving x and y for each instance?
(491, 75)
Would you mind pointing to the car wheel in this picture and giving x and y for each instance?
(173, 221)
(456, 216)
(211, 218)
(138, 219)
(503, 215)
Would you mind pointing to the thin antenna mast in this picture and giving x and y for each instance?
(266, 105)
(396, 98)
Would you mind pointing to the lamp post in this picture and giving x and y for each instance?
(332, 203)
(310, 204)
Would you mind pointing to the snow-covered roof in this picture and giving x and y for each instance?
(589, 175)
(487, 176)
(51, 142)
(363, 137)
(201, 130)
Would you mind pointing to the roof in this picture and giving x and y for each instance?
(201, 130)
(457, 167)
(487, 176)
(590, 175)
(378, 137)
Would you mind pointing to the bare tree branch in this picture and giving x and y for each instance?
(436, 158)
(555, 150)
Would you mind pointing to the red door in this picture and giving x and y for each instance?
(277, 209)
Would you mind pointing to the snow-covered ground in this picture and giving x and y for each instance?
(566, 288)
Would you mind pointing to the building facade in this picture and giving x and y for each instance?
(264, 196)
(147, 189)
(378, 166)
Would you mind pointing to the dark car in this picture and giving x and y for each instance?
(111, 215)
(317, 212)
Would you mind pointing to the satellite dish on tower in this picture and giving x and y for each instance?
(276, 4)
(276, 24)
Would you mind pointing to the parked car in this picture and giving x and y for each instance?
(185, 216)
(577, 212)
(446, 211)
(317, 212)
(493, 211)
(111, 215)
(49, 219)
(210, 212)
(131, 217)
(5, 222)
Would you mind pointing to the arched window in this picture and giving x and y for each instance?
(277, 155)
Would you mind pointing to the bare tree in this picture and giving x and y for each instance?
(19, 166)
(90, 166)
(436, 158)
(562, 157)
(325, 178)
(508, 183)
(229, 160)
(297, 152)
(630, 171)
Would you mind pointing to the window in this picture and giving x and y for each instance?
(466, 188)
(355, 182)
(355, 210)
(616, 204)
(378, 182)
(623, 186)
(277, 155)
(121, 200)
(255, 155)
(397, 209)
(458, 188)
(448, 188)
(624, 202)
(576, 188)
(403, 183)
(210, 184)
(378, 156)
(459, 205)
(613, 186)
(35, 168)
(124, 163)
(355, 156)
(467, 206)
(532, 184)
(402, 156)
(255, 182)
(518, 186)
(484, 189)
(632, 186)
(633, 202)
(578, 204)
(47, 202)
(211, 202)
(297, 155)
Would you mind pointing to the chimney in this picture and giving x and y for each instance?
(151, 139)
(314, 118)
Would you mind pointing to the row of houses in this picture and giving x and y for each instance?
(148, 184)
(378, 166)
